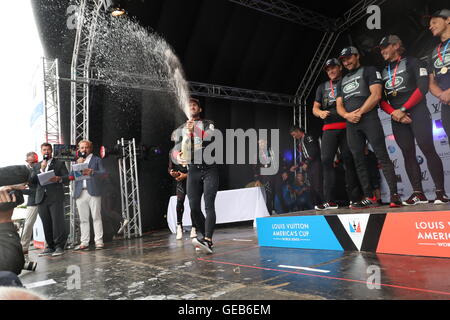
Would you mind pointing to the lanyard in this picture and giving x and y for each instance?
(445, 51)
(392, 78)
(332, 89)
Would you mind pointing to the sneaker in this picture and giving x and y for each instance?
(58, 252)
(396, 201)
(203, 244)
(81, 247)
(441, 198)
(100, 246)
(326, 206)
(124, 223)
(193, 232)
(365, 203)
(46, 252)
(416, 198)
(179, 232)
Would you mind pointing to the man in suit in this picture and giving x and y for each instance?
(88, 196)
(32, 209)
(50, 201)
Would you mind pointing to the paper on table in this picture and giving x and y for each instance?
(78, 171)
(44, 177)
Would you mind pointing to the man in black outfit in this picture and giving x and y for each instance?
(405, 86)
(358, 96)
(50, 201)
(203, 174)
(333, 137)
(439, 74)
(309, 153)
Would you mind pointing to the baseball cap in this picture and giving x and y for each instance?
(331, 62)
(195, 100)
(348, 51)
(443, 13)
(390, 39)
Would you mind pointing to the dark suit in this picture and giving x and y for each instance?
(50, 202)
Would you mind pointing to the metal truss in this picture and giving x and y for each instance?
(129, 188)
(290, 12)
(51, 100)
(137, 81)
(230, 93)
(88, 14)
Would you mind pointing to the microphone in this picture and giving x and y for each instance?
(83, 155)
(46, 157)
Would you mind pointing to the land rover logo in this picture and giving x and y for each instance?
(438, 63)
(398, 81)
(350, 87)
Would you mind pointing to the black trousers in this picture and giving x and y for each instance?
(203, 180)
(315, 178)
(52, 216)
(370, 128)
(421, 130)
(181, 196)
(445, 117)
(11, 254)
(331, 141)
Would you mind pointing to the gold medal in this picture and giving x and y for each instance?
(394, 93)
(444, 70)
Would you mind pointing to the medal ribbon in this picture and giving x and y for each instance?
(445, 51)
(392, 78)
(332, 89)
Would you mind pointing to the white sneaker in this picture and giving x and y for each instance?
(193, 233)
(179, 232)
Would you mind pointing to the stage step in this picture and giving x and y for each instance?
(418, 233)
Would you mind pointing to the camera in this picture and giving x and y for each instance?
(6, 206)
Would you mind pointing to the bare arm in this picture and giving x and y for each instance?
(374, 98)
(318, 112)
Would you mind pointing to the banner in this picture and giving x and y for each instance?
(306, 232)
(416, 233)
(442, 147)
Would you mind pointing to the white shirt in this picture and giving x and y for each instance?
(48, 165)
(88, 158)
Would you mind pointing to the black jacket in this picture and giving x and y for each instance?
(308, 149)
(31, 191)
(53, 192)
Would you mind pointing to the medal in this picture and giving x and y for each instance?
(393, 78)
(444, 69)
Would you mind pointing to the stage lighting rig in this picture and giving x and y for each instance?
(143, 152)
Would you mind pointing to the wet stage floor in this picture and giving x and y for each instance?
(159, 267)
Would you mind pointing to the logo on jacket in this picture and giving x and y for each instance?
(350, 87)
(398, 81)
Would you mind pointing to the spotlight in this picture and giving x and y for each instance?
(117, 12)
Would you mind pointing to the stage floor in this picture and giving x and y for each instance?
(380, 209)
(158, 267)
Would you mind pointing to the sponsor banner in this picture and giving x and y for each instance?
(306, 232)
(355, 225)
(441, 144)
(416, 233)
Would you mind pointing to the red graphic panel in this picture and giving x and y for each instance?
(416, 233)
